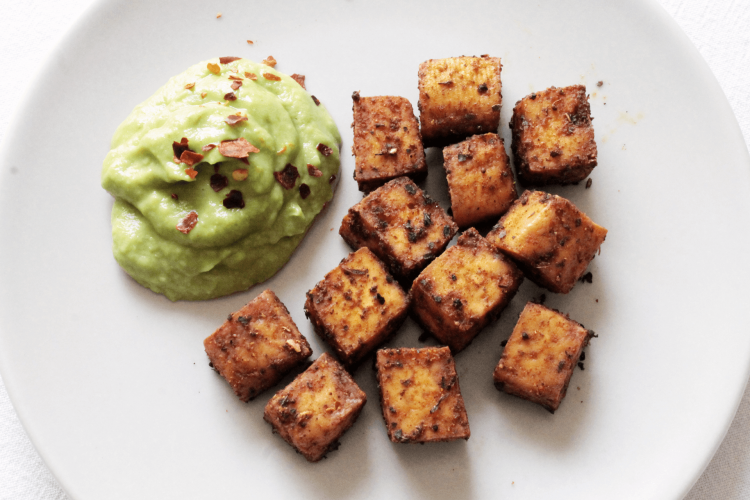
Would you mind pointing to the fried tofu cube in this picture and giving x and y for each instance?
(459, 97)
(256, 346)
(357, 306)
(387, 142)
(316, 409)
(463, 290)
(401, 225)
(550, 239)
(480, 180)
(553, 139)
(540, 356)
(420, 396)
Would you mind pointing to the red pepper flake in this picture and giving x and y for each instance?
(270, 61)
(229, 96)
(288, 176)
(175, 197)
(236, 84)
(219, 182)
(180, 147)
(250, 42)
(190, 158)
(218, 15)
(240, 174)
(233, 120)
(191, 172)
(281, 151)
(234, 199)
(325, 150)
(227, 60)
(272, 77)
(304, 191)
(188, 222)
(213, 68)
(313, 171)
(251, 76)
(235, 77)
(238, 148)
(208, 147)
(203, 95)
(299, 79)
(189, 86)
(315, 100)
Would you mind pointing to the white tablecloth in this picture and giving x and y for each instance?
(720, 29)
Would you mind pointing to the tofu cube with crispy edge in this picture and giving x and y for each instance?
(549, 238)
(553, 139)
(459, 97)
(401, 225)
(357, 306)
(387, 142)
(256, 346)
(463, 290)
(540, 356)
(420, 397)
(314, 411)
(480, 180)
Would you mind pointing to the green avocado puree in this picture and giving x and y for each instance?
(228, 249)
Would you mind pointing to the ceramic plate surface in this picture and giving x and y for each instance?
(111, 381)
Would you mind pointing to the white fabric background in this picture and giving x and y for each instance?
(720, 29)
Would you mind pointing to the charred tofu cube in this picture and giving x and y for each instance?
(553, 139)
(315, 410)
(463, 290)
(420, 396)
(387, 142)
(540, 356)
(479, 179)
(401, 225)
(357, 306)
(459, 97)
(257, 346)
(550, 239)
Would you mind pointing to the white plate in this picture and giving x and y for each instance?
(111, 381)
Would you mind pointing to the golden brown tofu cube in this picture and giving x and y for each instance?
(315, 410)
(553, 139)
(550, 239)
(257, 346)
(459, 97)
(387, 142)
(420, 396)
(401, 225)
(479, 179)
(357, 306)
(463, 290)
(540, 356)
